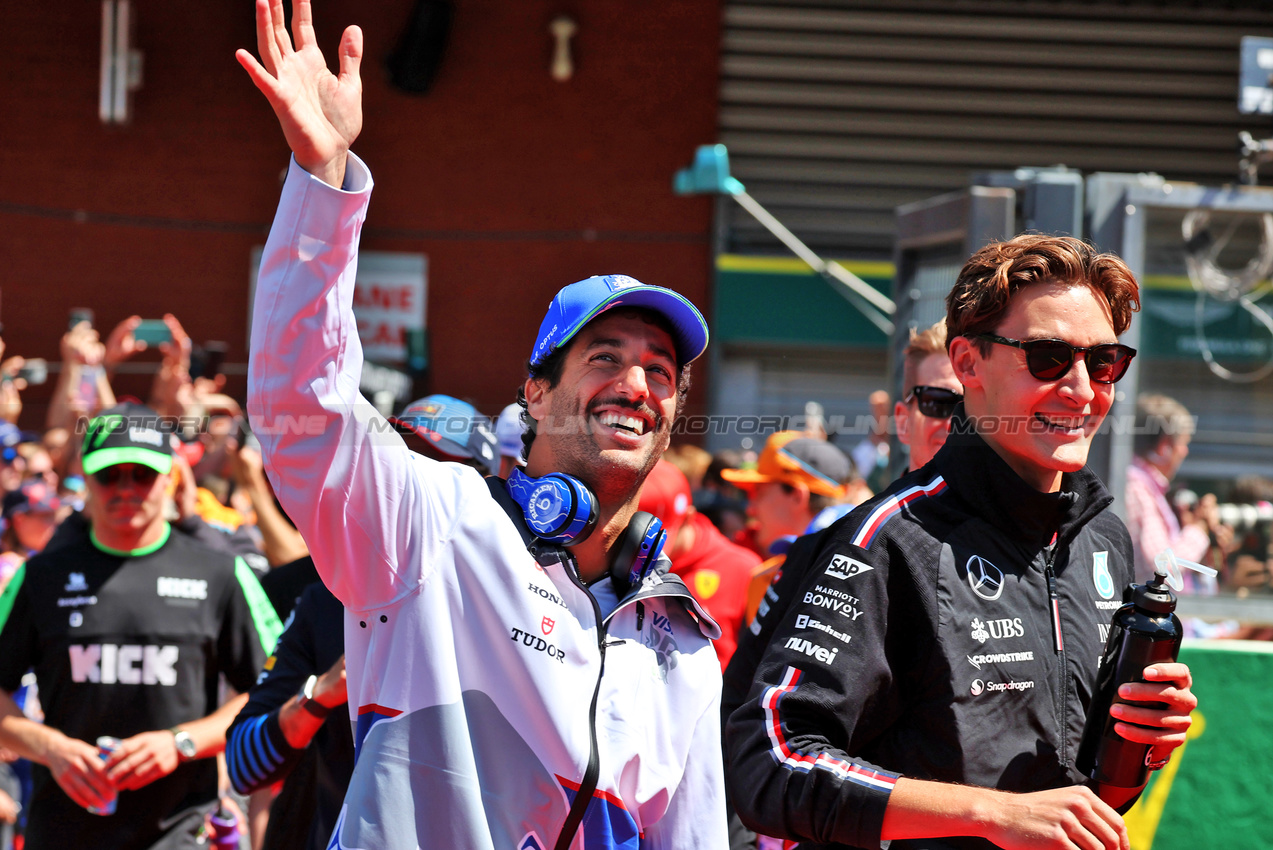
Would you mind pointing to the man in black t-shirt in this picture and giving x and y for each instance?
(128, 628)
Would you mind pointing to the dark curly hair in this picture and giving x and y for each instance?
(985, 286)
(552, 366)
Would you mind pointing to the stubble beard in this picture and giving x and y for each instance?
(614, 475)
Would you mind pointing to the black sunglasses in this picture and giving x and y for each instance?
(1051, 359)
(935, 402)
(110, 476)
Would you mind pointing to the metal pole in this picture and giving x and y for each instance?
(873, 304)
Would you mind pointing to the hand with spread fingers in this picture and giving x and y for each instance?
(320, 112)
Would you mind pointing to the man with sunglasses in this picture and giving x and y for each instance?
(128, 627)
(929, 678)
(930, 394)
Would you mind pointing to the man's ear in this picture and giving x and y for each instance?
(800, 492)
(536, 391)
(902, 422)
(965, 359)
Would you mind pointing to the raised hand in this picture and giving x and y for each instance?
(320, 112)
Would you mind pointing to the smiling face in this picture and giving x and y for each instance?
(1042, 429)
(608, 420)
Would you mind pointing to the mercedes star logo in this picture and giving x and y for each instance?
(985, 579)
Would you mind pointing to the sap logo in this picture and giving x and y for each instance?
(803, 621)
(109, 664)
(839, 606)
(545, 594)
(842, 567)
(75, 583)
(997, 629)
(985, 579)
(539, 644)
(183, 588)
(661, 621)
(1000, 658)
(826, 656)
(146, 435)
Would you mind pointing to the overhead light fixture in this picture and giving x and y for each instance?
(121, 64)
(563, 29)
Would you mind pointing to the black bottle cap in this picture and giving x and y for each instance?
(1155, 596)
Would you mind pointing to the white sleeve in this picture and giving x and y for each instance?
(356, 493)
(695, 815)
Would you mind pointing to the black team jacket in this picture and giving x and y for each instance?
(949, 629)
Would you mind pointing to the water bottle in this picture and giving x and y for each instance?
(1145, 631)
(225, 829)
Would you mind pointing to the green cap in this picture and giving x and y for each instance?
(127, 433)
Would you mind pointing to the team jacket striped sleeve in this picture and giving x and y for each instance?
(256, 753)
(823, 690)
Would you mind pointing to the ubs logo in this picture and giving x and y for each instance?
(997, 629)
(985, 579)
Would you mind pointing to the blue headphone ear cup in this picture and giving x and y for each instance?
(558, 508)
(642, 545)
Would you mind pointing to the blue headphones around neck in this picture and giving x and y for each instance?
(561, 510)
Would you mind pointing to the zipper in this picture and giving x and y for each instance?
(588, 785)
(1058, 645)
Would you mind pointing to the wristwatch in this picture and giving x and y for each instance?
(305, 699)
(185, 744)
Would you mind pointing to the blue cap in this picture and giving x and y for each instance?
(579, 303)
(453, 427)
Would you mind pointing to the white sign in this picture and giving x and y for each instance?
(390, 297)
(389, 301)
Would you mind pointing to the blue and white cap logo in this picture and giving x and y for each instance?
(617, 282)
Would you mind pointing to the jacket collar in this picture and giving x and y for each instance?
(983, 480)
